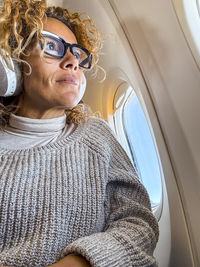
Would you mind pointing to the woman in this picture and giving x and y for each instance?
(69, 194)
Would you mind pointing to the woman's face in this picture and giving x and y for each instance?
(54, 83)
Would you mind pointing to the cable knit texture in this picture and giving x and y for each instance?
(78, 195)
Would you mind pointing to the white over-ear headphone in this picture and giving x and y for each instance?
(10, 80)
(83, 86)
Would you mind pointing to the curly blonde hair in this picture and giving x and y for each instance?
(21, 20)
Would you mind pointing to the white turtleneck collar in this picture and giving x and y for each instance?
(27, 133)
(37, 126)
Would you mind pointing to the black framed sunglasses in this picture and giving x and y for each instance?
(57, 47)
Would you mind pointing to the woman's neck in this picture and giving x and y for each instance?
(27, 110)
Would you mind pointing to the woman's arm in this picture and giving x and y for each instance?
(71, 261)
(131, 231)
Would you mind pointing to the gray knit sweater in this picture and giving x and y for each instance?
(78, 195)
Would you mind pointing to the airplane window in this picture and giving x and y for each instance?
(188, 13)
(142, 148)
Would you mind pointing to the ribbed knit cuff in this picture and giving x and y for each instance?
(101, 250)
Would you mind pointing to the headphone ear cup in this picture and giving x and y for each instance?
(83, 87)
(10, 80)
(3, 78)
(19, 79)
(84, 83)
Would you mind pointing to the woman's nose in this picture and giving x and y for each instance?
(70, 62)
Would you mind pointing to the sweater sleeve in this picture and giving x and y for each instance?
(131, 231)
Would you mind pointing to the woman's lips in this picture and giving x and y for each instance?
(68, 80)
